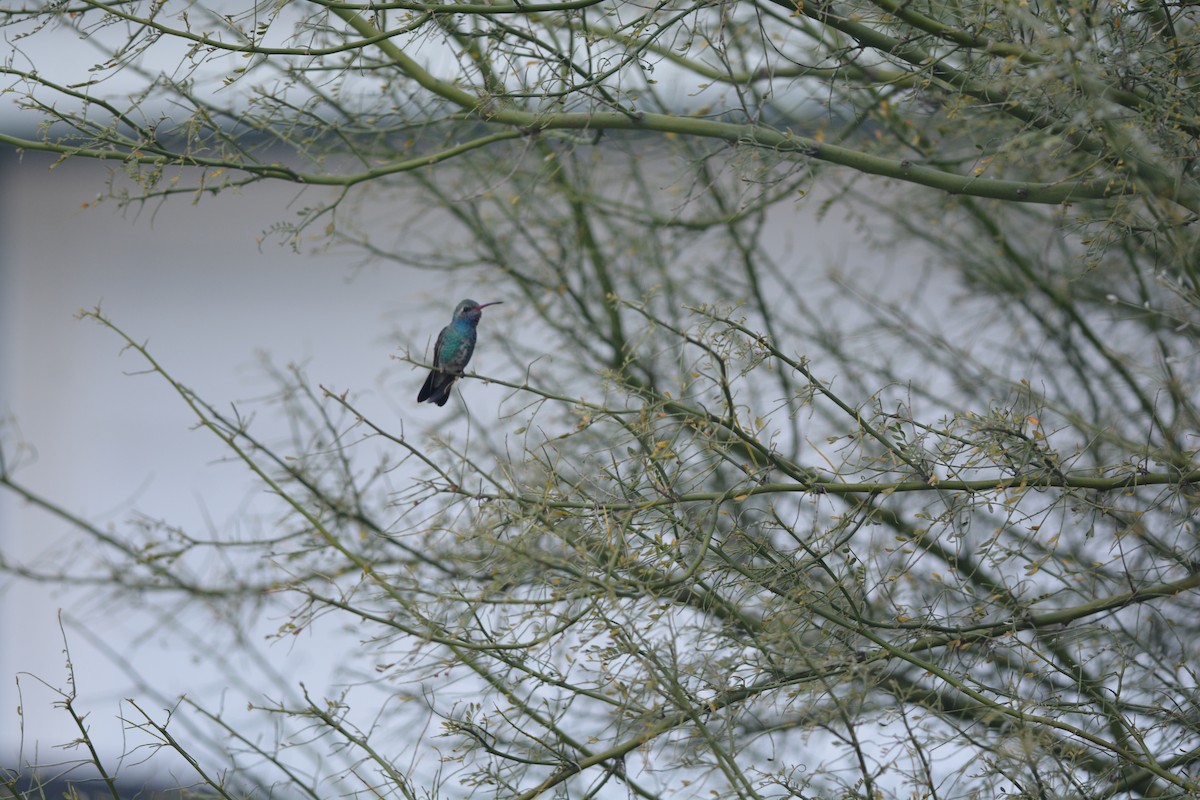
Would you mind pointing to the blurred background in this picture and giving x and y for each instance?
(213, 302)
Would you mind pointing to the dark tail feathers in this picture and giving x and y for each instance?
(436, 388)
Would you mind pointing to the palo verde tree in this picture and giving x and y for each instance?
(731, 548)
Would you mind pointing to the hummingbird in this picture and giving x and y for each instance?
(453, 350)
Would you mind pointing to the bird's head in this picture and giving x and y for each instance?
(469, 309)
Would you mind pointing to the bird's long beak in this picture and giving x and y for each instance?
(485, 305)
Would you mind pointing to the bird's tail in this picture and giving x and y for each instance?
(436, 388)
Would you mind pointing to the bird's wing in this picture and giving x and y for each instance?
(437, 349)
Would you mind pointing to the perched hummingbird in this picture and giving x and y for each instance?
(453, 350)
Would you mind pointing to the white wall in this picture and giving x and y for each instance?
(193, 281)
